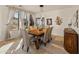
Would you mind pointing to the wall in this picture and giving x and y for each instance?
(66, 14)
(3, 21)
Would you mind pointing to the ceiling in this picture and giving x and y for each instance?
(36, 8)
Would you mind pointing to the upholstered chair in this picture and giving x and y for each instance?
(44, 38)
(49, 35)
(26, 40)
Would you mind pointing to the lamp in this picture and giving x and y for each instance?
(41, 16)
(41, 5)
(41, 8)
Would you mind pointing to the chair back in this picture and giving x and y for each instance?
(26, 39)
(50, 31)
(46, 35)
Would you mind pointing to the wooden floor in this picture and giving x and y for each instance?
(54, 47)
(7, 41)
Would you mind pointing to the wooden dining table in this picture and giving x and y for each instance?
(37, 33)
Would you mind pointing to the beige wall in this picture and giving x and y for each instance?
(66, 14)
(3, 21)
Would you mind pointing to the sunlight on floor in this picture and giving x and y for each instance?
(19, 45)
(4, 48)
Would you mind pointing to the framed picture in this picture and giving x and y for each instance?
(49, 21)
(58, 20)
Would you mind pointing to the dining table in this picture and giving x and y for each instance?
(37, 33)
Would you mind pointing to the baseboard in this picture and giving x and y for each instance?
(2, 40)
(58, 37)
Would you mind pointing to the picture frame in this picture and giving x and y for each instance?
(58, 20)
(49, 21)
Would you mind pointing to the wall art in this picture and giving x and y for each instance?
(49, 21)
(58, 20)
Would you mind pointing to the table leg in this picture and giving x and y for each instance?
(37, 44)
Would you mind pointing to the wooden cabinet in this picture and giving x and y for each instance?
(70, 41)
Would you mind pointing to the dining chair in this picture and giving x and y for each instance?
(49, 35)
(26, 40)
(44, 38)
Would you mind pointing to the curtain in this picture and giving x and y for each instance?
(23, 32)
(31, 21)
(21, 20)
(10, 16)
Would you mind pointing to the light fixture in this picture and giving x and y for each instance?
(41, 5)
(19, 5)
(41, 8)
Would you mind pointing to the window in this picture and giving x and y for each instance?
(25, 21)
(15, 21)
(16, 15)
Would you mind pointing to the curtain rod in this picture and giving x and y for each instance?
(18, 8)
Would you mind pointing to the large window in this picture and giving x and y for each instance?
(16, 20)
(14, 23)
(25, 21)
(16, 15)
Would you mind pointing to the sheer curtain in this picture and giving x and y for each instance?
(11, 14)
(16, 33)
(24, 34)
(31, 20)
(21, 20)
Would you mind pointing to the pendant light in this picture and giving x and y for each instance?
(42, 18)
(41, 9)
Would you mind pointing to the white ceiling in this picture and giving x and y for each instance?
(36, 8)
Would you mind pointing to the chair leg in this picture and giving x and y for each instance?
(27, 49)
(40, 42)
(49, 40)
(44, 44)
(22, 46)
(37, 44)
